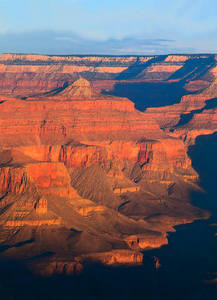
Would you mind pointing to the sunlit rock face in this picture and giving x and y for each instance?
(84, 175)
(76, 113)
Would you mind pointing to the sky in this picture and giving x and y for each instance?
(115, 27)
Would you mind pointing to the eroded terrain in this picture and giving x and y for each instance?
(94, 163)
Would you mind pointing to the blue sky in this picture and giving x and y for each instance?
(108, 26)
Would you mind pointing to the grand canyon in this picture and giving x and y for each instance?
(107, 176)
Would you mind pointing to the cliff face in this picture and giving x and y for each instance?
(200, 117)
(83, 171)
(29, 74)
(201, 100)
(76, 113)
(160, 156)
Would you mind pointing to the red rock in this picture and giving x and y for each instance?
(41, 206)
(63, 146)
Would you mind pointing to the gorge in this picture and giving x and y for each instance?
(102, 161)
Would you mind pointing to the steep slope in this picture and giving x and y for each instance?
(201, 119)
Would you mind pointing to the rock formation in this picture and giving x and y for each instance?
(84, 175)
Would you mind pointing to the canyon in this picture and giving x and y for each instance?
(94, 155)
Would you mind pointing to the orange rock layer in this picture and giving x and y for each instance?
(75, 114)
(28, 74)
(71, 158)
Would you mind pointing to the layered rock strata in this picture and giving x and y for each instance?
(85, 176)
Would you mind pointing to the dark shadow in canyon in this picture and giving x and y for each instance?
(204, 161)
(17, 245)
(134, 70)
(96, 282)
(164, 92)
(50, 93)
(150, 94)
(185, 118)
(190, 257)
(194, 68)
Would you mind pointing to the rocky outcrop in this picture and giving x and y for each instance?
(140, 242)
(116, 257)
(81, 88)
(64, 267)
(45, 177)
(14, 180)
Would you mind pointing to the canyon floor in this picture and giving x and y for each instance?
(107, 176)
